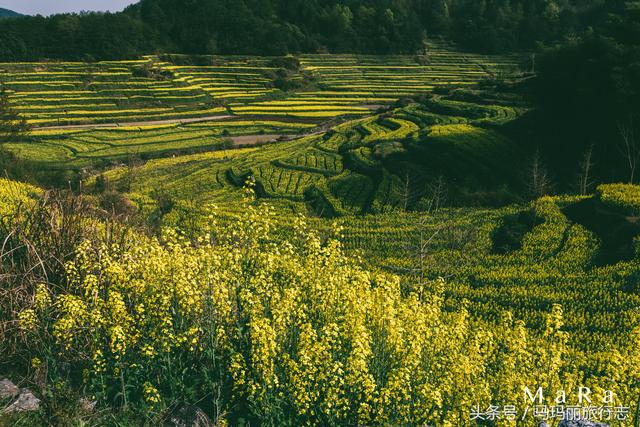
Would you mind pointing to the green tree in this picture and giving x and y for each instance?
(12, 125)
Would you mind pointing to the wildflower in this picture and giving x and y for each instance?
(42, 298)
(148, 351)
(99, 364)
(151, 394)
(28, 320)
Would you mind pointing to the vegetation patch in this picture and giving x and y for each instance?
(616, 231)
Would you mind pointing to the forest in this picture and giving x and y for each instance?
(277, 27)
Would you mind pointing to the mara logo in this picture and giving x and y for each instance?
(580, 396)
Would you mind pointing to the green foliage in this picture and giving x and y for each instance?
(12, 125)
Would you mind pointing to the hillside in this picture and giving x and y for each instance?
(370, 165)
(262, 305)
(278, 27)
(6, 13)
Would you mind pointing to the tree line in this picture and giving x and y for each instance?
(587, 93)
(277, 27)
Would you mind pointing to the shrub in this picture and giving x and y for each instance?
(117, 204)
(287, 62)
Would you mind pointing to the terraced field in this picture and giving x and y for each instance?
(555, 264)
(154, 88)
(352, 169)
(354, 84)
(95, 115)
(82, 148)
(50, 94)
(227, 78)
(349, 155)
(396, 76)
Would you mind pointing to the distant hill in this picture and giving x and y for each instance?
(6, 13)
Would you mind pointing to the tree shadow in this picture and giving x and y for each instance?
(615, 230)
(508, 237)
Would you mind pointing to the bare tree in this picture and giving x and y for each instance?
(420, 251)
(433, 234)
(435, 200)
(533, 63)
(87, 78)
(586, 167)
(408, 191)
(405, 191)
(629, 146)
(540, 183)
(436, 194)
(422, 55)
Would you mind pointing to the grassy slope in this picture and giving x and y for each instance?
(361, 167)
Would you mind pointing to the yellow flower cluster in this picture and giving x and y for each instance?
(42, 298)
(625, 196)
(28, 320)
(36, 363)
(296, 330)
(15, 195)
(151, 394)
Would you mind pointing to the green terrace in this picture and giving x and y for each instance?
(100, 147)
(356, 167)
(316, 88)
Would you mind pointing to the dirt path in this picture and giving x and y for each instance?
(373, 107)
(140, 124)
(260, 139)
(254, 139)
(238, 141)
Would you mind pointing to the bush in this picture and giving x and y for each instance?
(101, 184)
(285, 82)
(287, 62)
(117, 204)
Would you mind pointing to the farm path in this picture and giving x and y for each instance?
(254, 139)
(260, 139)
